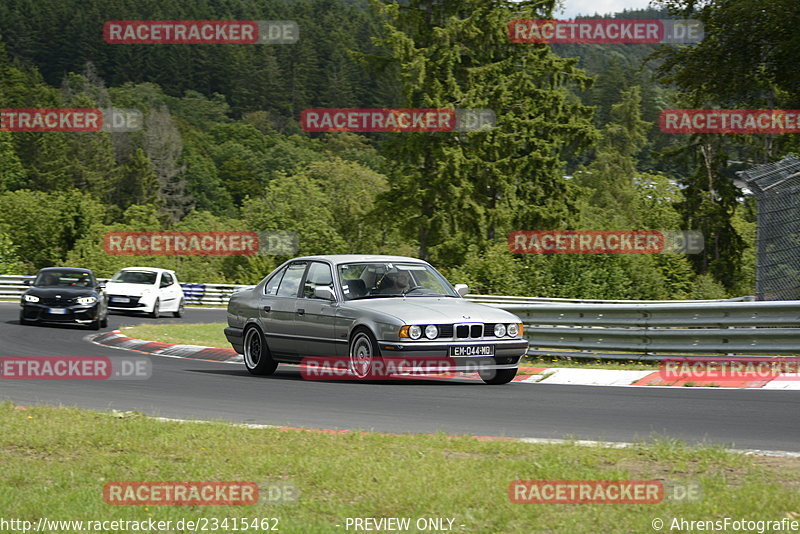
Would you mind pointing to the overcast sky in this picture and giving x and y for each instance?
(590, 7)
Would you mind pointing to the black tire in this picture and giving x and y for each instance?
(22, 320)
(497, 377)
(95, 325)
(104, 321)
(156, 313)
(364, 356)
(179, 312)
(257, 358)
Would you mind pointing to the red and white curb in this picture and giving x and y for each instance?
(528, 375)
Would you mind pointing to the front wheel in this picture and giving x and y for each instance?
(365, 356)
(498, 377)
(257, 358)
(22, 320)
(179, 312)
(156, 313)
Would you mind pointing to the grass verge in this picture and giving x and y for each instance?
(207, 335)
(55, 462)
(211, 335)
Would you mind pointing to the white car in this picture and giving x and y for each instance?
(146, 289)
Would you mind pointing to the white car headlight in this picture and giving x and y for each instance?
(431, 331)
(415, 331)
(512, 330)
(30, 298)
(499, 330)
(85, 301)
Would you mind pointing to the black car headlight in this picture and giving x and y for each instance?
(30, 298)
(86, 301)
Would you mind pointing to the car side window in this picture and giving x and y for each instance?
(319, 275)
(271, 287)
(165, 280)
(291, 280)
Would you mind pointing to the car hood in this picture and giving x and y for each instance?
(64, 292)
(435, 310)
(121, 288)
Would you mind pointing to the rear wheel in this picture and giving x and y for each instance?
(365, 356)
(179, 311)
(156, 313)
(497, 377)
(257, 358)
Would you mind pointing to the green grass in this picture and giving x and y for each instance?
(54, 462)
(207, 335)
(211, 335)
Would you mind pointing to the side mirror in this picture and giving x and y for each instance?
(27, 282)
(324, 292)
(462, 289)
(101, 285)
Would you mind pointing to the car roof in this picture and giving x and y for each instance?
(76, 269)
(151, 269)
(354, 258)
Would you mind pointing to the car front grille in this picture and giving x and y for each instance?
(56, 302)
(132, 303)
(469, 331)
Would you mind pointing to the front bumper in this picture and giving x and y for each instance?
(72, 314)
(507, 353)
(137, 303)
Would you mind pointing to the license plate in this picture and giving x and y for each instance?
(472, 350)
(120, 299)
(57, 311)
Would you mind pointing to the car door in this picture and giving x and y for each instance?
(168, 296)
(277, 312)
(315, 317)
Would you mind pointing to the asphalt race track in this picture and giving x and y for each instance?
(182, 388)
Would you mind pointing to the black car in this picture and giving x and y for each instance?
(65, 295)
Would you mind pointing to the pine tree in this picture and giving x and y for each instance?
(462, 188)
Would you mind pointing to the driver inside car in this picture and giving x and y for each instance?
(395, 282)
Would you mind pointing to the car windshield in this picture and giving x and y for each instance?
(392, 279)
(135, 277)
(52, 278)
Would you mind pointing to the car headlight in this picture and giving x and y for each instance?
(499, 330)
(30, 298)
(85, 301)
(431, 331)
(415, 331)
(513, 329)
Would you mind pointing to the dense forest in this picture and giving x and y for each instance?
(576, 147)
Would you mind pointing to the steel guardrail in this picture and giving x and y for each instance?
(607, 329)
